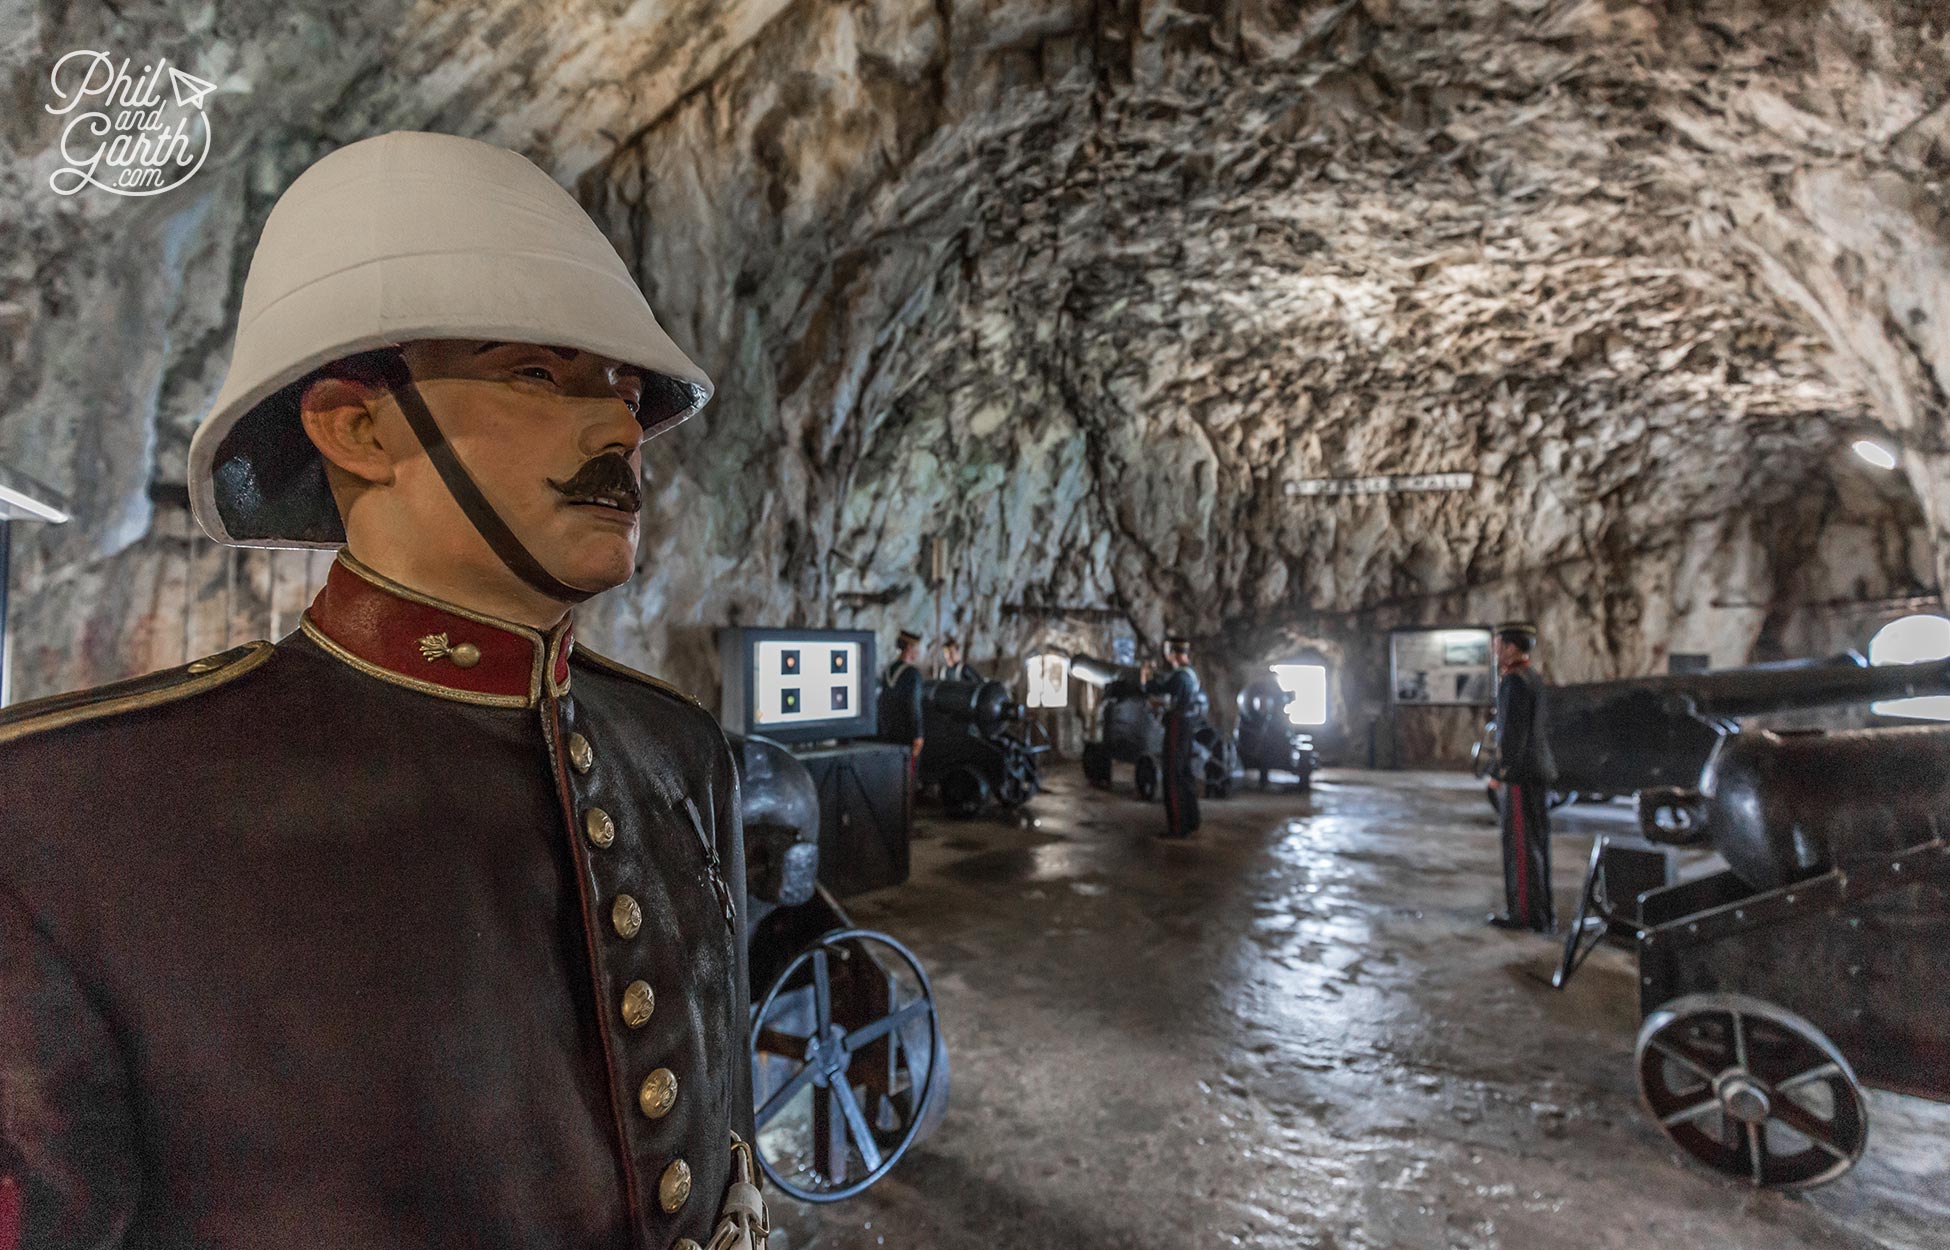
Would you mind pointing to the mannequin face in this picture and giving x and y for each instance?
(951, 653)
(548, 434)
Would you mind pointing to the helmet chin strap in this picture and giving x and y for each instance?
(487, 522)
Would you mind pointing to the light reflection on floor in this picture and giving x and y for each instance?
(1296, 1032)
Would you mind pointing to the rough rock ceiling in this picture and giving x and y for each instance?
(1081, 286)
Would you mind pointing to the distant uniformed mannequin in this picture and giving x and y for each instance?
(1523, 775)
(952, 667)
(1183, 699)
(423, 925)
(900, 696)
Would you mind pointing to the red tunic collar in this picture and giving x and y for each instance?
(388, 631)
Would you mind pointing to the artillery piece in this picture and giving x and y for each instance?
(1267, 738)
(1131, 731)
(849, 1066)
(1774, 990)
(1654, 736)
(977, 752)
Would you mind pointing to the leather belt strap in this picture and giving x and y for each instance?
(488, 522)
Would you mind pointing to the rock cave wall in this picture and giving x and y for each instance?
(1082, 288)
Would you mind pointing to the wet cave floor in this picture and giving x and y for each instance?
(1297, 1032)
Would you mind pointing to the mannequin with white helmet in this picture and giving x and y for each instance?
(423, 925)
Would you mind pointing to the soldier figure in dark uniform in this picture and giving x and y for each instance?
(900, 696)
(1183, 699)
(1523, 775)
(422, 926)
(952, 666)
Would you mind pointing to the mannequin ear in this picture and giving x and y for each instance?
(338, 417)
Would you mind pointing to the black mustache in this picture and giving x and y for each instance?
(607, 474)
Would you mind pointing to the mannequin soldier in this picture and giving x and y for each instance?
(900, 696)
(1183, 700)
(422, 926)
(952, 666)
(1523, 775)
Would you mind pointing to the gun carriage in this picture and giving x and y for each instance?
(1131, 731)
(1267, 739)
(978, 751)
(1774, 990)
(849, 1066)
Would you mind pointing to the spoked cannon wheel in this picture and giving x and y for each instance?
(848, 1063)
(1751, 1090)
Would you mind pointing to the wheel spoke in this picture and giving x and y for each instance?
(1754, 1152)
(822, 992)
(856, 1123)
(777, 1101)
(1689, 1114)
(1681, 1058)
(1804, 1122)
(868, 1034)
(1812, 1075)
(1739, 1042)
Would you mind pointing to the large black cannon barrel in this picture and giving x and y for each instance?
(1782, 807)
(1100, 673)
(1763, 688)
(984, 705)
(1639, 733)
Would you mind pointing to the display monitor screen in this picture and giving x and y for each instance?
(804, 680)
(798, 685)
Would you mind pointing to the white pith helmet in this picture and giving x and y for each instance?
(398, 237)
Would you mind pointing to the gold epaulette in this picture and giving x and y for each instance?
(149, 690)
(624, 670)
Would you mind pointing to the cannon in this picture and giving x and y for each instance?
(1131, 731)
(849, 1066)
(1267, 738)
(1773, 991)
(978, 753)
(1657, 734)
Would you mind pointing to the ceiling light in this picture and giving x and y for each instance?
(1875, 453)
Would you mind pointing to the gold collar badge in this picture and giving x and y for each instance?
(436, 646)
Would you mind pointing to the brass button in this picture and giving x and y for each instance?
(658, 1094)
(600, 828)
(675, 1186)
(466, 655)
(638, 1002)
(626, 916)
(581, 755)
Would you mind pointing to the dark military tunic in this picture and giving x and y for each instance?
(1185, 708)
(414, 930)
(900, 704)
(963, 672)
(1523, 764)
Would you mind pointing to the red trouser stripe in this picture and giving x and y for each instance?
(1171, 773)
(1522, 851)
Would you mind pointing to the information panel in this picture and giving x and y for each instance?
(1442, 666)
